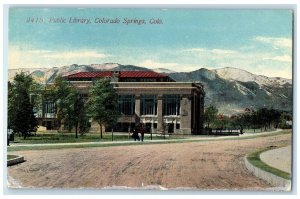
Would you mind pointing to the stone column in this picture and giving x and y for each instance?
(195, 112)
(159, 113)
(152, 127)
(185, 114)
(137, 109)
(175, 122)
(201, 105)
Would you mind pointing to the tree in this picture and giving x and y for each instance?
(285, 117)
(70, 107)
(242, 120)
(78, 115)
(21, 116)
(84, 121)
(10, 105)
(265, 118)
(210, 114)
(61, 94)
(274, 118)
(103, 104)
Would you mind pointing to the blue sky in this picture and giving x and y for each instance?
(259, 41)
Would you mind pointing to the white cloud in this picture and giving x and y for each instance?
(167, 65)
(37, 58)
(283, 58)
(276, 42)
(213, 51)
(254, 60)
(268, 62)
(75, 54)
(152, 64)
(39, 51)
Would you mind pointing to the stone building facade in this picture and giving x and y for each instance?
(151, 98)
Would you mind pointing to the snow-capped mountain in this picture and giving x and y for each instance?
(231, 94)
(105, 66)
(230, 89)
(163, 70)
(47, 75)
(236, 74)
(13, 72)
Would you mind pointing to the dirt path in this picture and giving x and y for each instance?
(201, 165)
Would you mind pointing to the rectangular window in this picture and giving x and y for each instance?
(84, 97)
(49, 107)
(148, 80)
(148, 105)
(126, 104)
(128, 80)
(171, 104)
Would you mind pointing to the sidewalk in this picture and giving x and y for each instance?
(204, 138)
(280, 158)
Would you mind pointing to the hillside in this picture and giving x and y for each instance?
(233, 95)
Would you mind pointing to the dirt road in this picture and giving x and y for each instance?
(201, 165)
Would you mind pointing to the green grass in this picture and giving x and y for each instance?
(63, 138)
(9, 157)
(42, 138)
(167, 141)
(254, 159)
(256, 130)
(267, 135)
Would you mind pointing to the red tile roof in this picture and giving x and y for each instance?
(90, 74)
(122, 74)
(131, 74)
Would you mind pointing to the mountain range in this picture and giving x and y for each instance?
(231, 90)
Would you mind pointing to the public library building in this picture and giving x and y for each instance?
(151, 98)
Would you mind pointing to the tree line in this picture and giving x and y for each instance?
(262, 118)
(26, 97)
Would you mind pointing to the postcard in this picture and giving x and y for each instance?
(150, 98)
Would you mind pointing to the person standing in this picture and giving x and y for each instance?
(135, 135)
(142, 132)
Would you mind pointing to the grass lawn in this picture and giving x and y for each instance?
(41, 138)
(255, 160)
(9, 157)
(168, 140)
